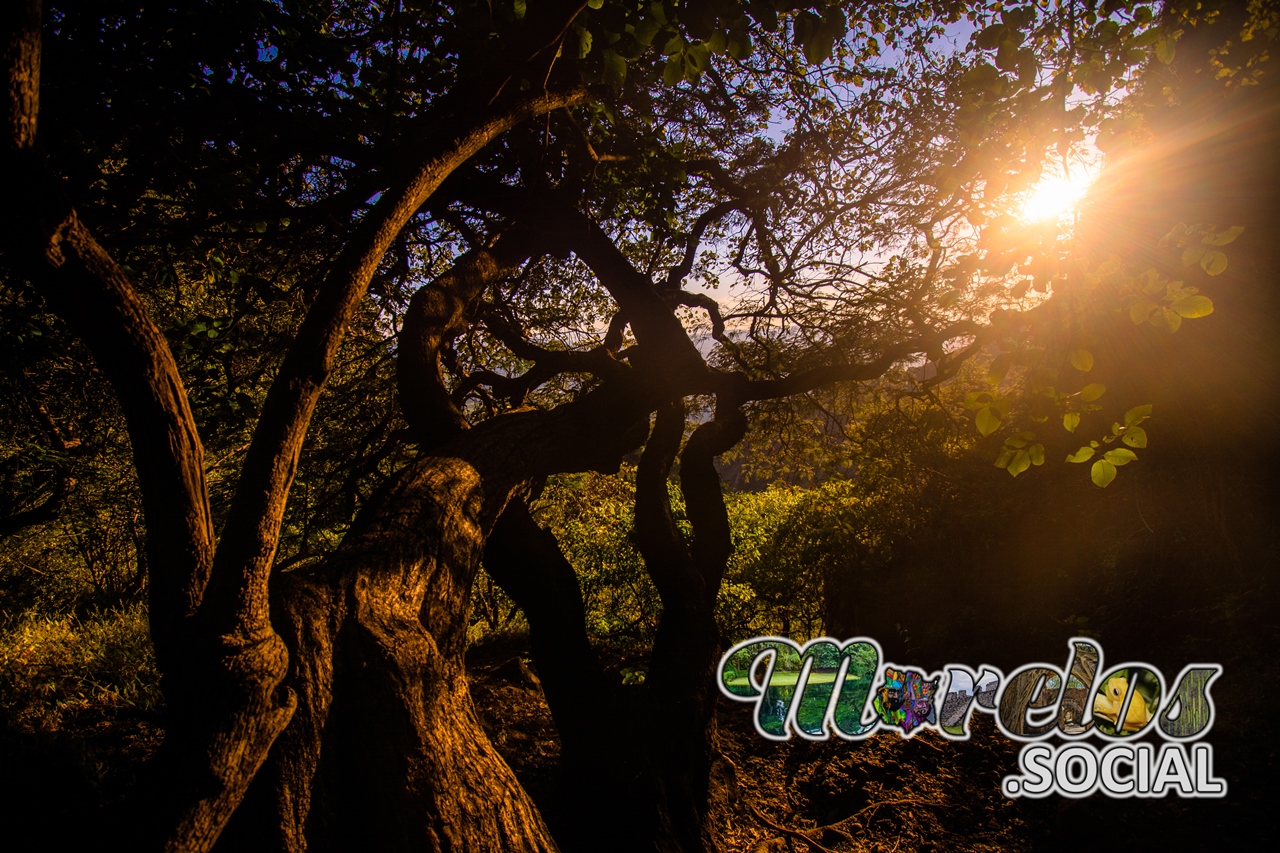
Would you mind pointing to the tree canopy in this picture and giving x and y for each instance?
(362, 275)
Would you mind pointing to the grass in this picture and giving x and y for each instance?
(61, 669)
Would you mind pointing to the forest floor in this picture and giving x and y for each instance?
(881, 794)
(887, 793)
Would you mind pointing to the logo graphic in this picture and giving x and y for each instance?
(830, 687)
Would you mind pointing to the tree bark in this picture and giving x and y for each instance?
(222, 661)
(385, 750)
(658, 779)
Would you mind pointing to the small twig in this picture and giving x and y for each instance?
(790, 833)
(1138, 504)
(874, 806)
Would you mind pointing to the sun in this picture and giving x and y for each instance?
(1055, 196)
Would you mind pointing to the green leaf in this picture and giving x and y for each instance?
(1000, 367)
(646, 30)
(981, 77)
(1149, 283)
(1165, 50)
(1037, 454)
(1082, 360)
(1084, 454)
(1166, 318)
(1006, 456)
(1147, 39)
(1070, 421)
(1092, 391)
(615, 68)
(673, 73)
(595, 4)
(976, 400)
(991, 36)
(584, 42)
(1021, 461)
(1120, 456)
(1137, 415)
(1102, 473)
(1192, 306)
(1213, 262)
(740, 45)
(1135, 437)
(987, 421)
(1140, 311)
(698, 58)
(1222, 238)
(520, 8)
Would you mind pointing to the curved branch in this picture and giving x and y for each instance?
(818, 377)
(548, 362)
(526, 561)
(681, 270)
(666, 557)
(50, 509)
(437, 313)
(84, 285)
(704, 495)
(247, 548)
(569, 229)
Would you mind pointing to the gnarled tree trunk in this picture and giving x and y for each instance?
(385, 750)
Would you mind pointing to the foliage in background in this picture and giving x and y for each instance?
(72, 671)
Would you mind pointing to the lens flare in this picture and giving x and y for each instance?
(1055, 197)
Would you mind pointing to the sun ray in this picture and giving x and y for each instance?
(1055, 196)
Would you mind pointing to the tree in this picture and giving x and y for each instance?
(505, 204)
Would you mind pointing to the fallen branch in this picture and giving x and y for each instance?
(789, 833)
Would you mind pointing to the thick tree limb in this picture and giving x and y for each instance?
(658, 539)
(48, 510)
(527, 562)
(88, 289)
(437, 313)
(247, 548)
(678, 273)
(655, 326)
(704, 497)
(221, 687)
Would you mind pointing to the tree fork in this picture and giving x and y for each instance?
(607, 777)
(385, 749)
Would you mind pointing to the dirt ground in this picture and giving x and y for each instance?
(882, 794)
(889, 794)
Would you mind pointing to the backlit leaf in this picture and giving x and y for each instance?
(1137, 415)
(1082, 360)
(1222, 238)
(615, 68)
(987, 421)
(1021, 461)
(1135, 437)
(1120, 456)
(1140, 311)
(1213, 262)
(1084, 454)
